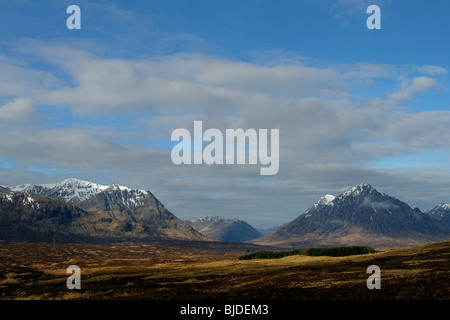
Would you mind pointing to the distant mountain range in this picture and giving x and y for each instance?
(79, 210)
(76, 210)
(224, 228)
(361, 215)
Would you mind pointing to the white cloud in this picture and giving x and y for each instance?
(121, 109)
(412, 88)
(432, 70)
(19, 110)
(420, 130)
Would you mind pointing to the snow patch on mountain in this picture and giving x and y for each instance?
(23, 198)
(326, 200)
(444, 206)
(128, 197)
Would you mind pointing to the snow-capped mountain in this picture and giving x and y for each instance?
(70, 190)
(442, 213)
(91, 210)
(224, 228)
(361, 215)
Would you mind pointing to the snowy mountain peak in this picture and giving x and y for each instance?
(75, 190)
(358, 190)
(441, 212)
(70, 190)
(444, 206)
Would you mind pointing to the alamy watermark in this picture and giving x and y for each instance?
(74, 20)
(74, 281)
(374, 21)
(374, 281)
(231, 148)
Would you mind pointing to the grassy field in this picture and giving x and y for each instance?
(157, 272)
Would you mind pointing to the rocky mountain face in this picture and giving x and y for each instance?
(442, 213)
(360, 216)
(138, 213)
(31, 217)
(224, 229)
(81, 210)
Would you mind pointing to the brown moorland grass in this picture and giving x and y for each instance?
(156, 272)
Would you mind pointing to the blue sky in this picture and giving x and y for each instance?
(352, 104)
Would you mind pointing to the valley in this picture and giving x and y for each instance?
(129, 246)
(158, 271)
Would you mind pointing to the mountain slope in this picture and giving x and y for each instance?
(136, 213)
(224, 229)
(360, 216)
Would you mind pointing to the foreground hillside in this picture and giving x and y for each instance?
(158, 272)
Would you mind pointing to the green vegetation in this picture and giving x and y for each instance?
(332, 252)
(269, 254)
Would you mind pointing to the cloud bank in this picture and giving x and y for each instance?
(109, 119)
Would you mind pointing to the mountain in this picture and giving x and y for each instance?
(137, 213)
(224, 229)
(360, 216)
(442, 213)
(76, 209)
(70, 190)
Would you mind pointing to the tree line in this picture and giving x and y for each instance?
(332, 252)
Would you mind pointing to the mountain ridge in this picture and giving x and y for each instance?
(97, 211)
(70, 190)
(359, 215)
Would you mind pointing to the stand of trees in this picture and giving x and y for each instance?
(339, 251)
(269, 254)
(332, 252)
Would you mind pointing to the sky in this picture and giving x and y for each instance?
(351, 104)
